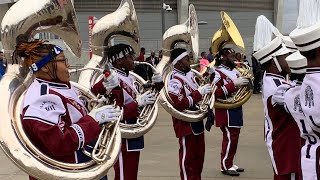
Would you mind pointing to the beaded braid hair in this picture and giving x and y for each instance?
(222, 52)
(118, 51)
(31, 52)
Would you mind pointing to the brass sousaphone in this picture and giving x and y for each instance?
(22, 21)
(121, 23)
(187, 33)
(229, 34)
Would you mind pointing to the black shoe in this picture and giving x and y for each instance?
(238, 169)
(231, 172)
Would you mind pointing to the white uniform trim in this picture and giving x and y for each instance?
(227, 150)
(121, 166)
(190, 101)
(80, 134)
(293, 176)
(184, 150)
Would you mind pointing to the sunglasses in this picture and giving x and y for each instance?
(62, 60)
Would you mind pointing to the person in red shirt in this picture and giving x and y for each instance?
(54, 118)
(203, 61)
(141, 69)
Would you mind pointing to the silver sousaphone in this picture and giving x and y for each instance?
(122, 23)
(22, 21)
(187, 33)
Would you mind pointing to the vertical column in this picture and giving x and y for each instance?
(278, 13)
(182, 8)
(285, 15)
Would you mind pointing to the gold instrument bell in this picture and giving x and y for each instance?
(229, 34)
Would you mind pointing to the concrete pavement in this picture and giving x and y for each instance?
(159, 159)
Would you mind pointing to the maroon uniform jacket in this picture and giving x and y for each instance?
(184, 94)
(281, 131)
(56, 121)
(125, 96)
(225, 88)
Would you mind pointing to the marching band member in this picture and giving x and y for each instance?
(281, 132)
(121, 56)
(306, 38)
(289, 97)
(53, 116)
(227, 80)
(185, 93)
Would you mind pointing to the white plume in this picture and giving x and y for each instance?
(264, 33)
(309, 13)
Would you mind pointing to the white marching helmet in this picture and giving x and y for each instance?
(297, 63)
(307, 34)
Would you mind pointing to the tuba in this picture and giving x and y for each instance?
(121, 23)
(187, 33)
(229, 34)
(57, 17)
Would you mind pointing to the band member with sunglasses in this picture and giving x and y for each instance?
(54, 118)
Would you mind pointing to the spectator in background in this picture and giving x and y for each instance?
(210, 56)
(160, 55)
(257, 73)
(203, 61)
(244, 59)
(2, 65)
(238, 59)
(153, 60)
(141, 70)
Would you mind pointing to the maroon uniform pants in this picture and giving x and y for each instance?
(126, 168)
(191, 156)
(229, 146)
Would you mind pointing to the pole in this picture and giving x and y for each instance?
(162, 18)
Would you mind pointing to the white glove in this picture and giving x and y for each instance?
(241, 81)
(111, 81)
(211, 70)
(146, 98)
(278, 96)
(105, 114)
(156, 78)
(205, 89)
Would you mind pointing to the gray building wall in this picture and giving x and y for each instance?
(243, 13)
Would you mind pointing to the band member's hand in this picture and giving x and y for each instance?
(111, 81)
(241, 82)
(278, 96)
(146, 98)
(205, 89)
(156, 78)
(106, 114)
(211, 70)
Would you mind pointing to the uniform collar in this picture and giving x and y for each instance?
(225, 67)
(275, 75)
(180, 72)
(54, 84)
(121, 72)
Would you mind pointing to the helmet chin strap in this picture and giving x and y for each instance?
(277, 64)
